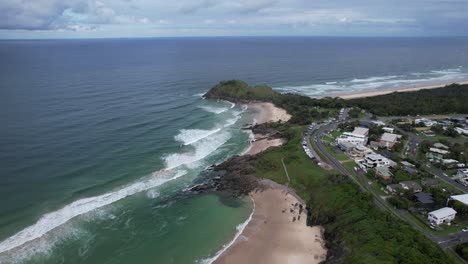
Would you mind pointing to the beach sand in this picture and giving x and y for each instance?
(272, 236)
(371, 93)
(268, 112)
(264, 113)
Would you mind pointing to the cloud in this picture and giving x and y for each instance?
(57, 14)
(194, 7)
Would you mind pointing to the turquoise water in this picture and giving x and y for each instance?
(100, 138)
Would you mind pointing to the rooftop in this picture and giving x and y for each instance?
(461, 198)
(389, 137)
(440, 151)
(425, 198)
(443, 212)
(361, 131)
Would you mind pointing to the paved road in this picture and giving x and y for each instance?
(443, 241)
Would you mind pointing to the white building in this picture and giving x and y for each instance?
(375, 160)
(388, 129)
(443, 215)
(461, 131)
(360, 152)
(425, 121)
(355, 139)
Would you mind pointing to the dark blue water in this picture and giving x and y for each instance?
(111, 127)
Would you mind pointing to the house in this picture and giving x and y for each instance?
(410, 170)
(436, 154)
(440, 146)
(426, 122)
(378, 123)
(361, 131)
(462, 131)
(424, 198)
(462, 176)
(394, 188)
(388, 129)
(346, 146)
(375, 160)
(383, 172)
(411, 185)
(407, 164)
(450, 163)
(359, 152)
(441, 216)
(355, 139)
(429, 133)
(429, 182)
(388, 140)
(462, 198)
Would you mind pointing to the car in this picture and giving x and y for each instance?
(465, 229)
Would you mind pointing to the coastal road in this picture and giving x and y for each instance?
(443, 241)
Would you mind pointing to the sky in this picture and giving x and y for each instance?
(177, 18)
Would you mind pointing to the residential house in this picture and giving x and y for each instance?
(426, 122)
(462, 131)
(356, 139)
(425, 198)
(394, 188)
(440, 146)
(442, 216)
(388, 129)
(383, 172)
(436, 154)
(361, 131)
(411, 185)
(388, 140)
(359, 152)
(429, 182)
(462, 176)
(375, 160)
(345, 146)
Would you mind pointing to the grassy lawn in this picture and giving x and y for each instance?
(336, 133)
(327, 138)
(338, 156)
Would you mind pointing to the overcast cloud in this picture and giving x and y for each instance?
(152, 18)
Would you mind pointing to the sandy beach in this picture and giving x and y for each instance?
(371, 93)
(264, 113)
(277, 232)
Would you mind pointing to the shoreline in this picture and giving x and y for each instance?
(275, 224)
(264, 113)
(376, 92)
(276, 231)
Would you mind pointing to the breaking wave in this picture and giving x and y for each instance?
(415, 79)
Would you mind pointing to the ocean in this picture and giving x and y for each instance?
(100, 139)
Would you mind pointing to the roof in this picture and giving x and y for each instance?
(443, 212)
(440, 145)
(394, 186)
(429, 182)
(389, 137)
(411, 184)
(425, 198)
(346, 144)
(384, 171)
(405, 163)
(361, 131)
(440, 151)
(461, 198)
(375, 156)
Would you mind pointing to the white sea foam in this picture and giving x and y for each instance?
(190, 136)
(57, 218)
(240, 228)
(214, 109)
(435, 77)
(202, 148)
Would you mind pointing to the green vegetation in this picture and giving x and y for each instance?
(462, 250)
(448, 99)
(302, 108)
(355, 230)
